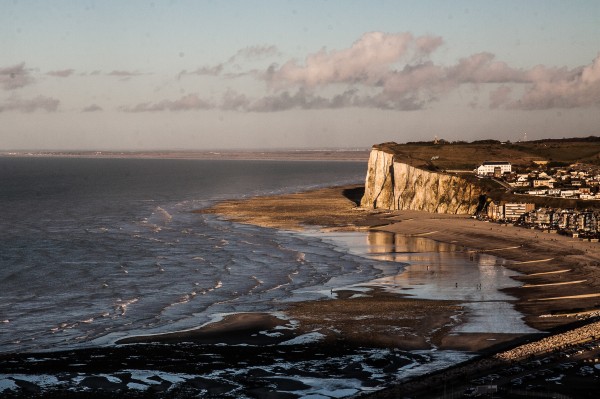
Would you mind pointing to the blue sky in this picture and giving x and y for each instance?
(291, 74)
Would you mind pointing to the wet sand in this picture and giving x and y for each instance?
(560, 277)
(371, 318)
(561, 274)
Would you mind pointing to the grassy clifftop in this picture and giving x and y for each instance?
(462, 155)
(467, 156)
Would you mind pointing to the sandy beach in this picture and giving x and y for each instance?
(560, 273)
(559, 291)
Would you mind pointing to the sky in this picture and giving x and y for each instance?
(205, 75)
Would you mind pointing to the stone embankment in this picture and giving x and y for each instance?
(552, 343)
(395, 185)
(471, 369)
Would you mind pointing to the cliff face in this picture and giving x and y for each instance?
(391, 184)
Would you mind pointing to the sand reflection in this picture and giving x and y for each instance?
(445, 271)
(389, 244)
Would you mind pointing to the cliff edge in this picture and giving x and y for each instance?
(397, 185)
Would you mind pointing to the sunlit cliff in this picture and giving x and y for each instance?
(396, 185)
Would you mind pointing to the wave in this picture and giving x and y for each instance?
(255, 287)
(121, 306)
(166, 216)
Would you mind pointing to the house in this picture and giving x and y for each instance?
(544, 217)
(568, 193)
(488, 168)
(522, 180)
(543, 183)
(554, 191)
(537, 192)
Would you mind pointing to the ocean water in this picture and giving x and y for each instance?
(96, 249)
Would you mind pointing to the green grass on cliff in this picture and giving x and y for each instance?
(467, 156)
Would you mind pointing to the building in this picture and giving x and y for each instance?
(495, 211)
(543, 183)
(510, 211)
(488, 168)
(514, 210)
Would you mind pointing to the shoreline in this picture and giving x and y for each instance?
(559, 277)
(560, 274)
(560, 291)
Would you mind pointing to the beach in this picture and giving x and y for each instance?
(354, 339)
(559, 276)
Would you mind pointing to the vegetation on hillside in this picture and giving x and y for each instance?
(445, 155)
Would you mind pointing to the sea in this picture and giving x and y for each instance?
(93, 250)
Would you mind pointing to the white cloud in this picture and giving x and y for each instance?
(398, 67)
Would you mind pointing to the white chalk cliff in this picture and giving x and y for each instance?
(392, 184)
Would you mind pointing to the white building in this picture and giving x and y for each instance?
(489, 167)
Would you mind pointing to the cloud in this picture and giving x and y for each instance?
(61, 73)
(367, 61)
(123, 73)
(428, 44)
(40, 102)
(579, 87)
(92, 108)
(286, 101)
(305, 100)
(500, 96)
(233, 101)
(255, 53)
(15, 76)
(185, 103)
(214, 70)
(425, 79)
(398, 73)
(251, 53)
(390, 71)
(483, 68)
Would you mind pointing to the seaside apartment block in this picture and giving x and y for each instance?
(568, 220)
(509, 211)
